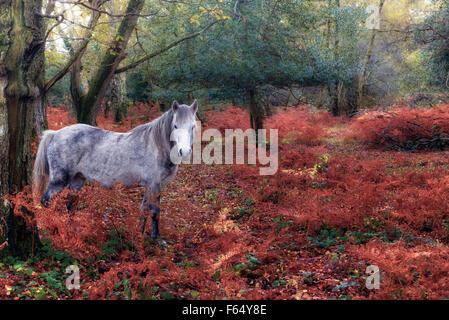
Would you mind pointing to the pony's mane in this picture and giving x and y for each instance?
(159, 129)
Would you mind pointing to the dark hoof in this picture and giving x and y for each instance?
(154, 235)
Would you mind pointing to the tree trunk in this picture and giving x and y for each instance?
(113, 56)
(332, 86)
(24, 61)
(4, 158)
(366, 61)
(255, 113)
(336, 110)
(116, 98)
(75, 86)
(120, 109)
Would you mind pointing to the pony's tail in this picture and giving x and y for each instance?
(41, 169)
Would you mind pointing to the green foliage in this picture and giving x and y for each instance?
(321, 164)
(50, 283)
(188, 264)
(216, 275)
(137, 87)
(115, 245)
(420, 77)
(309, 279)
(436, 40)
(59, 93)
(123, 290)
(281, 223)
(246, 267)
(278, 283)
(345, 285)
(49, 255)
(244, 210)
(264, 43)
(326, 238)
(4, 15)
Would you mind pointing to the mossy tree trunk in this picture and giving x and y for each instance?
(121, 108)
(116, 98)
(88, 106)
(24, 61)
(4, 158)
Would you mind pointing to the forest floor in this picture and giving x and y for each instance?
(335, 207)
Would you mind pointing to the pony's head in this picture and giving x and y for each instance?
(184, 124)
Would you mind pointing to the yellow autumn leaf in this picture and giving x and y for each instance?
(8, 289)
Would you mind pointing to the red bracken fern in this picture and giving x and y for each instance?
(402, 127)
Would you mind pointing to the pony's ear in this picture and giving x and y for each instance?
(175, 106)
(194, 106)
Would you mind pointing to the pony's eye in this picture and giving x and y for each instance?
(176, 127)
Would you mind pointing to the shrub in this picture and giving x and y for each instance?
(403, 128)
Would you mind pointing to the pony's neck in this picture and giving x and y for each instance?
(161, 131)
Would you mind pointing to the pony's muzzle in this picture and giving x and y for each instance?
(184, 152)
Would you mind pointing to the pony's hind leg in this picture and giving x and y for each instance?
(52, 189)
(76, 182)
(57, 183)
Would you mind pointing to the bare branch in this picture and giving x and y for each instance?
(79, 52)
(164, 49)
(60, 19)
(108, 13)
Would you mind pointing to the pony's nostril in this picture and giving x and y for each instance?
(180, 152)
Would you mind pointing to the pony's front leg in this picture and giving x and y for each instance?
(151, 203)
(155, 219)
